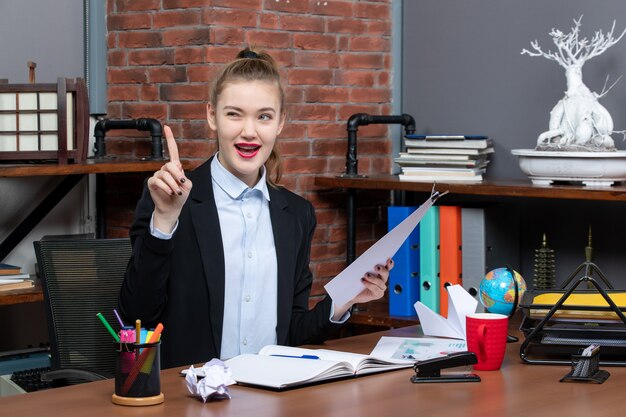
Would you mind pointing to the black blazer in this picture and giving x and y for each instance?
(180, 282)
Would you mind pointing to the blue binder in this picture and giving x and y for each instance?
(429, 259)
(404, 281)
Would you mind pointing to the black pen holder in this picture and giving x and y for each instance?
(586, 369)
(138, 374)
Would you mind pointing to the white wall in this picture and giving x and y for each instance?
(47, 32)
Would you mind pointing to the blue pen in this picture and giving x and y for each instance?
(299, 357)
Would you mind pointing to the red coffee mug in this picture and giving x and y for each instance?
(486, 337)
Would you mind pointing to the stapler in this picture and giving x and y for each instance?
(430, 370)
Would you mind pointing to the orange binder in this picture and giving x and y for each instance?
(450, 260)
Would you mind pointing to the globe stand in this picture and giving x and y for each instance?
(510, 338)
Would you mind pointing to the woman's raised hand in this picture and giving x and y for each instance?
(375, 283)
(169, 188)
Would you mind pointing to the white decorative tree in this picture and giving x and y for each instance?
(578, 122)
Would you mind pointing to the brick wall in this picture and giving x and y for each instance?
(335, 58)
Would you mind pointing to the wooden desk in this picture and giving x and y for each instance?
(515, 390)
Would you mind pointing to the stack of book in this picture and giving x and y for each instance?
(12, 278)
(445, 158)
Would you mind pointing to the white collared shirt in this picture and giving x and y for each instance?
(251, 283)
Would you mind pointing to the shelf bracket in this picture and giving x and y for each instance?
(34, 217)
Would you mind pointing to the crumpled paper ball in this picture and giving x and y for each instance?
(211, 381)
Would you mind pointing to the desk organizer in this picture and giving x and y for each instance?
(138, 374)
(586, 369)
(556, 327)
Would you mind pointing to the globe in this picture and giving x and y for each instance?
(497, 290)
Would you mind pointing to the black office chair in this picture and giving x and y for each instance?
(80, 278)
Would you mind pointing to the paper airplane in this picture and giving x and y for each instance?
(347, 285)
(460, 304)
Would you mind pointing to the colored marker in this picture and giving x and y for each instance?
(153, 337)
(156, 334)
(138, 331)
(119, 319)
(108, 326)
(127, 334)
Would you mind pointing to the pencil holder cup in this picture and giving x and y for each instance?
(586, 369)
(138, 374)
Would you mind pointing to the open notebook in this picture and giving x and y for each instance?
(281, 367)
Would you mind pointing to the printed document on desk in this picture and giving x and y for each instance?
(347, 285)
(417, 348)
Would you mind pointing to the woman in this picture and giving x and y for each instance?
(221, 256)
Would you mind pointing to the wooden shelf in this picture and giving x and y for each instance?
(378, 315)
(497, 188)
(30, 295)
(106, 166)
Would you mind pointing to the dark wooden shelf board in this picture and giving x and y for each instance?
(107, 166)
(497, 188)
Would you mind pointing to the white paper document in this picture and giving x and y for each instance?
(416, 348)
(347, 284)
(10, 281)
(460, 304)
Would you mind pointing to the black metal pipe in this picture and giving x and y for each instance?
(356, 120)
(151, 125)
(363, 119)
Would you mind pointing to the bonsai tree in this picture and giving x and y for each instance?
(578, 122)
